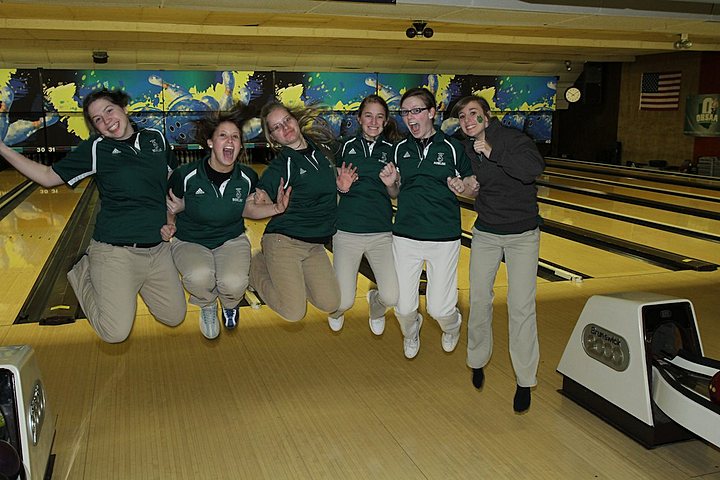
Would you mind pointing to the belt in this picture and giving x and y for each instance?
(136, 245)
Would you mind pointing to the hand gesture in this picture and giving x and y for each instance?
(347, 175)
(389, 174)
(283, 197)
(175, 205)
(167, 231)
(472, 185)
(261, 197)
(456, 185)
(482, 146)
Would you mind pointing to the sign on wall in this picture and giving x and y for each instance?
(701, 115)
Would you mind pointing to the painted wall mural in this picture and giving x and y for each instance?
(42, 109)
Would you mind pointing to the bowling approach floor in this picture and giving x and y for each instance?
(279, 400)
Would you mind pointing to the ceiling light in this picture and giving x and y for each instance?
(684, 43)
(100, 56)
(419, 29)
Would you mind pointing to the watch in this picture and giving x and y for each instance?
(572, 94)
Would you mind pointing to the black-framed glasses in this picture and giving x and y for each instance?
(414, 111)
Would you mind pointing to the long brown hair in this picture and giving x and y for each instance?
(390, 130)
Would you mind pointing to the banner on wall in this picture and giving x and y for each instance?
(701, 115)
(43, 108)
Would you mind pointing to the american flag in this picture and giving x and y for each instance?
(660, 91)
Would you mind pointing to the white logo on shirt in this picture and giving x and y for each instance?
(155, 147)
(440, 160)
(383, 157)
(407, 155)
(200, 191)
(303, 171)
(352, 150)
(116, 151)
(238, 196)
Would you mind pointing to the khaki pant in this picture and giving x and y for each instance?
(348, 250)
(108, 279)
(289, 272)
(521, 260)
(211, 274)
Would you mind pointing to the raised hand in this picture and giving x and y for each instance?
(347, 175)
(283, 197)
(389, 175)
(261, 197)
(481, 145)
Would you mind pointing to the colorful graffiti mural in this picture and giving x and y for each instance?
(42, 108)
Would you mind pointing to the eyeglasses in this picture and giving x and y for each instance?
(414, 111)
(281, 124)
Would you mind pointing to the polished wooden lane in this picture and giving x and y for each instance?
(664, 217)
(671, 242)
(27, 236)
(9, 179)
(279, 400)
(619, 188)
(630, 181)
(588, 260)
(649, 174)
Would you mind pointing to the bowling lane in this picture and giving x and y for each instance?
(9, 179)
(592, 261)
(27, 236)
(651, 237)
(613, 187)
(690, 222)
(630, 181)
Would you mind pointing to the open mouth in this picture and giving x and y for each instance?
(414, 128)
(228, 154)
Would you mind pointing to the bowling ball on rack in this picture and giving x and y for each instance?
(9, 460)
(714, 388)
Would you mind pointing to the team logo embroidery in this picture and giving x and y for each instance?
(383, 157)
(440, 160)
(302, 171)
(407, 155)
(155, 147)
(116, 151)
(200, 191)
(238, 196)
(352, 151)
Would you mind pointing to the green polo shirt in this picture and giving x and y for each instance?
(131, 178)
(313, 202)
(426, 208)
(212, 215)
(366, 208)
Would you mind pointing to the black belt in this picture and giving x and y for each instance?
(136, 245)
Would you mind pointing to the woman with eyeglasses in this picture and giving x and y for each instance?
(293, 266)
(126, 255)
(364, 219)
(210, 248)
(506, 163)
(430, 168)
